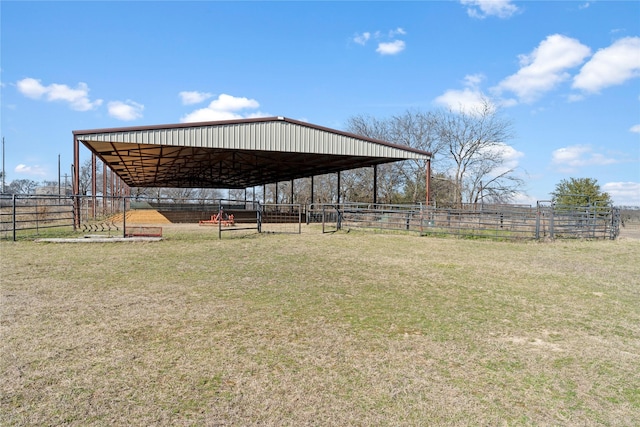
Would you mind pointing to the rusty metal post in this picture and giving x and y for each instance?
(76, 182)
(104, 188)
(93, 185)
(124, 218)
(112, 184)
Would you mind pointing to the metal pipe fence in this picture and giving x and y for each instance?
(33, 216)
(592, 221)
(281, 218)
(29, 215)
(488, 221)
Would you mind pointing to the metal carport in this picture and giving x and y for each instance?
(232, 154)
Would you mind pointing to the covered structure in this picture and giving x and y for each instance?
(232, 154)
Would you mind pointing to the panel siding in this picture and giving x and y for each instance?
(264, 136)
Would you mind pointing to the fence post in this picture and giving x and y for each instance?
(13, 198)
(124, 217)
(259, 217)
(537, 233)
(37, 218)
(551, 223)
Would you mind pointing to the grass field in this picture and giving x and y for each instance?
(356, 328)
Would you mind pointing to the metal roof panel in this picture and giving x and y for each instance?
(258, 150)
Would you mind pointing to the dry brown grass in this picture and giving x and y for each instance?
(313, 329)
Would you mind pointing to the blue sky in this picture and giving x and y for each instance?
(566, 73)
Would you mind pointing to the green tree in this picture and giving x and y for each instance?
(580, 192)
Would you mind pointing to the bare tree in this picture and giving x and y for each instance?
(356, 185)
(475, 142)
(390, 181)
(179, 195)
(22, 186)
(84, 184)
(207, 193)
(302, 192)
(413, 129)
(324, 188)
(416, 130)
(442, 190)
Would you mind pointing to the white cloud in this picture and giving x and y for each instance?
(569, 159)
(397, 31)
(362, 38)
(544, 68)
(30, 170)
(31, 88)
(386, 43)
(635, 129)
(233, 103)
(623, 193)
(225, 107)
(509, 155)
(77, 98)
(391, 48)
(468, 99)
(575, 97)
(194, 97)
(482, 8)
(524, 199)
(473, 80)
(128, 110)
(610, 66)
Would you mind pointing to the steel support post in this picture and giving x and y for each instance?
(312, 189)
(76, 182)
(104, 188)
(93, 185)
(428, 181)
(375, 184)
